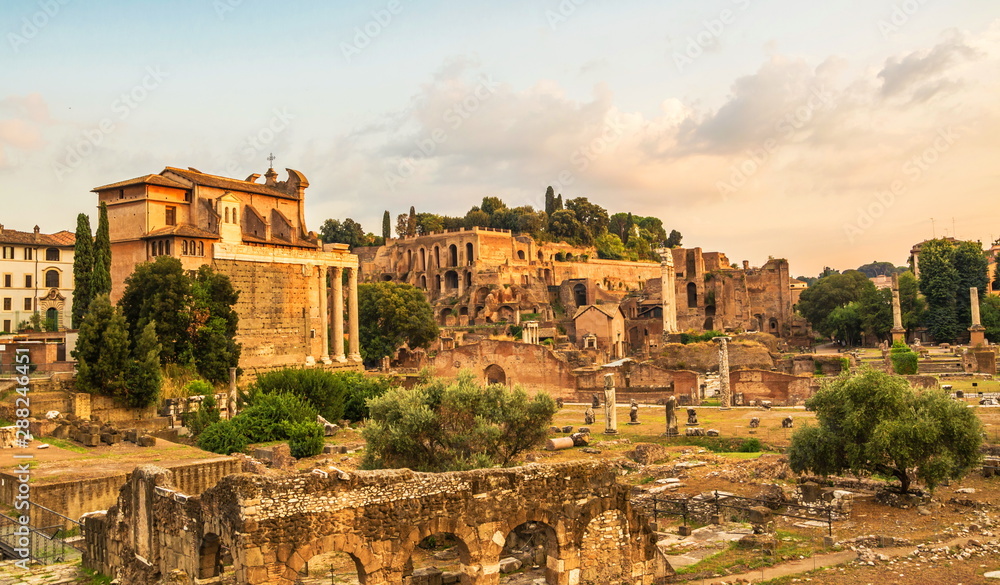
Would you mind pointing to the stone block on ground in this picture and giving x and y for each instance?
(509, 565)
(146, 441)
(91, 440)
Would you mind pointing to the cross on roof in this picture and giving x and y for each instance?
(270, 160)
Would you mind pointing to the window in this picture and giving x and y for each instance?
(28, 305)
(201, 248)
(170, 217)
(227, 215)
(51, 254)
(8, 252)
(121, 194)
(27, 281)
(184, 247)
(8, 280)
(51, 279)
(6, 325)
(8, 303)
(29, 254)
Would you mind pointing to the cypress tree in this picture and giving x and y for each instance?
(550, 200)
(411, 222)
(100, 283)
(557, 204)
(145, 378)
(386, 226)
(83, 269)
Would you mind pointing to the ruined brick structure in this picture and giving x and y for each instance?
(478, 276)
(272, 525)
(778, 388)
(255, 233)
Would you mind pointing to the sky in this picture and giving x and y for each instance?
(830, 134)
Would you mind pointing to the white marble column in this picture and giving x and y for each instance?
(337, 314)
(352, 310)
(974, 300)
(724, 391)
(668, 291)
(323, 311)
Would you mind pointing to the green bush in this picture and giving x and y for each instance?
(198, 388)
(687, 338)
(204, 417)
(751, 445)
(904, 359)
(305, 439)
(223, 437)
(325, 391)
(361, 389)
(268, 415)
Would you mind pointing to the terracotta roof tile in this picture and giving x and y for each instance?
(200, 178)
(143, 180)
(61, 238)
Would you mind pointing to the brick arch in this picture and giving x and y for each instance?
(560, 561)
(470, 548)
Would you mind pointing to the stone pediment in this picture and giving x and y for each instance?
(53, 295)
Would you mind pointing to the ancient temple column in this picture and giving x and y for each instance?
(337, 313)
(898, 333)
(725, 395)
(977, 333)
(668, 292)
(323, 311)
(352, 310)
(610, 412)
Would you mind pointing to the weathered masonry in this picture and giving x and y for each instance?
(273, 525)
(256, 234)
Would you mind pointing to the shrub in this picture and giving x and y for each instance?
(267, 416)
(751, 445)
(324, 391)
(687, 338)
(305, 439)
(223, 437)
(904, 359)
(205, 416)
(361, 389)
(198, 388)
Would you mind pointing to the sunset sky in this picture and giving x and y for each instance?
(826, 133)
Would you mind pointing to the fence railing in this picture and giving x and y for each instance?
(683, 507)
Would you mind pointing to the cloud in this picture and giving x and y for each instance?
(920, 71)
(21, 121)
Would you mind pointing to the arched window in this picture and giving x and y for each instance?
(52, 278)
(201, 248)
(236, 215)
(227, 215)
(159, 248)
(166, 247)
(52, 254)
(692, 290)
(469, 258)
(520, 254)
(184, 247)
(453, 255)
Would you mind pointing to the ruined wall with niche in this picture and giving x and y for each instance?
(535, 367)
(781, 389)
(272, 525)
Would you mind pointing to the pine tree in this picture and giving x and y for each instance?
(145, 378)
(83, 269)
(100, 283)
(386, 226)
(112, 362)
(411, 222)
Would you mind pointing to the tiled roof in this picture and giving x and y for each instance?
(200, 178)
(61, 238)
(608, 312)
(185, 231)
(143, 180)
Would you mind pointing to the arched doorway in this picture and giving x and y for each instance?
(494, 374)
(469, 256)
(450, 280)
(692, 293)
(453, 255)
(423, 259)
(440, 557)
(213, 557)
(580, 294)
(533, 544)
(52, 319)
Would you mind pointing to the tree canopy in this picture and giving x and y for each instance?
(874, 422)
(454, 424)
(947, 270)
(391, 315)
(83, 269)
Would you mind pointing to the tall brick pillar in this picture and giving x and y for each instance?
(337, 314)
(352, 309)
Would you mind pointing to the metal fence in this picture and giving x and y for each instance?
(684, 508)
(41, 545)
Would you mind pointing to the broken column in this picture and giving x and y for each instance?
(610, 416)
(668, 290)
(898, 333)
(724, 393)
(671, 407)
(231, 400)
(977, 333)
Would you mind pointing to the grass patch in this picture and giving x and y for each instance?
(740, 455)
(63, 444)
(790, 546)
(92, 577)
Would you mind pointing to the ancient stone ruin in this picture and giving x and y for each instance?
(270, 526)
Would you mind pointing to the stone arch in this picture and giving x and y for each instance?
(409, 260)
(506, 313)
(463, 311)
(468, 280)
(692, 294)
(580, 294)
(494, 374)
(423, 259)
(554, 546)
(349, 544)
(445, 313)
(772, 325)
(386, 278)
(547, 276)
(453, 255)
(437, 257)
(423, 281)
(470, 256)
(481, 295)
(600, 563)
(541, 256)
(451, 279)
(709, 324)
(470, 551)
(520, 254)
